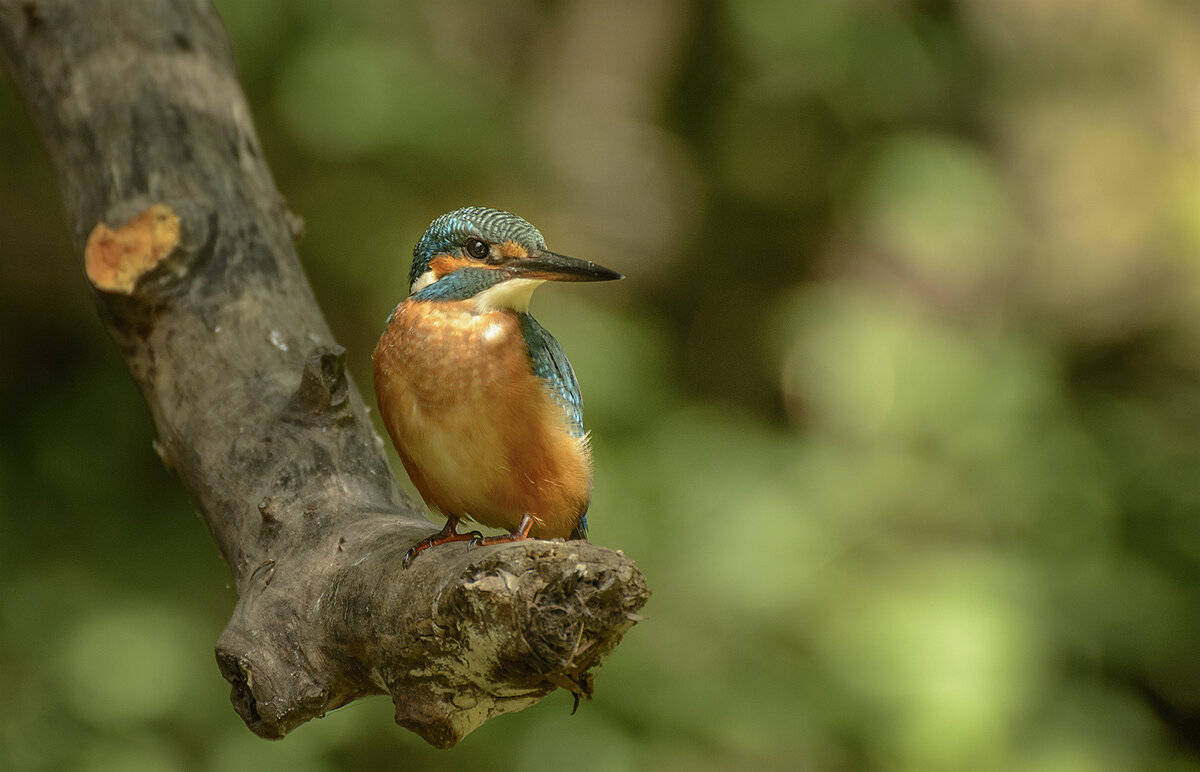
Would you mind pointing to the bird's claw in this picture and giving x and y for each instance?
(415, 550)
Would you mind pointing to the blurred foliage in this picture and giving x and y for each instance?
(897, 409)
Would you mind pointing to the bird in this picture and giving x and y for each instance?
(478, 398)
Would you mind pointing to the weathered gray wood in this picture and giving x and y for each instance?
(138, 105)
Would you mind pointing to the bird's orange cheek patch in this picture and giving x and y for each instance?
(116, 259)
(444, 265)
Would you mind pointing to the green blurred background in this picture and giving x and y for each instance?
(897, 410)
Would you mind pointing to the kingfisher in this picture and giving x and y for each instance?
(478, 398)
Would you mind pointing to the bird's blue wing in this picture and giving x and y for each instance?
(551, 365)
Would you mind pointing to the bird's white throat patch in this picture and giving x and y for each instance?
(423, 281)
(509, 294)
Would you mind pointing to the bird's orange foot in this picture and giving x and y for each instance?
(445, 536)
(521, 534)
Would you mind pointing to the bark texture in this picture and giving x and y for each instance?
(188, 248)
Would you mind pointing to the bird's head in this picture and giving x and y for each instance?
(493, 256)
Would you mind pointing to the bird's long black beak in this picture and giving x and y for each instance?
(552, 266)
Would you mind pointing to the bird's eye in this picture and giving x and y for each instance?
(477, 249)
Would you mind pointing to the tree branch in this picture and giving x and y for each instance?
(188, 249)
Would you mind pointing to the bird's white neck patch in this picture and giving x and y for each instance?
(511, 294)
(423, 281)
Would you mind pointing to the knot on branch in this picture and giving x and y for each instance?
(270, 698)
(323, 393)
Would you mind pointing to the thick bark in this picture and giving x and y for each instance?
(188, 249)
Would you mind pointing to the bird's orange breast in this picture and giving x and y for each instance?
(476, 429)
